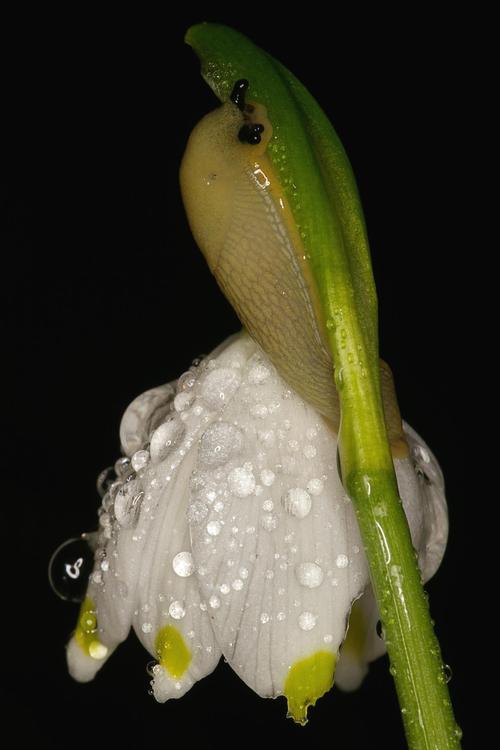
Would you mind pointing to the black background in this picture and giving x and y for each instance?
(108, 296)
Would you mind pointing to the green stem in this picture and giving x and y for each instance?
(318, 182)
(413, 648)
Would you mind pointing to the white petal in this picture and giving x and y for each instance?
(168, 619)
(274, 537)
(129, 523)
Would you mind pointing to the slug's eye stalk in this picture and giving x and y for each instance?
(238, 93)
(251, 133)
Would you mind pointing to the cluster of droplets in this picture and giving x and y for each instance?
(122, 487)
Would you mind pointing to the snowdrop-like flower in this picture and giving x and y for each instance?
(228, 532)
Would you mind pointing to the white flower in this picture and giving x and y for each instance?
(229, 532)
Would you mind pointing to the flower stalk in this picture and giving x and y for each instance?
(320, 188)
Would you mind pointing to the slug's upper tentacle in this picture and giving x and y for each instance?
(243, 224)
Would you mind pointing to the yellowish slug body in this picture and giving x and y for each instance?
(241, 221)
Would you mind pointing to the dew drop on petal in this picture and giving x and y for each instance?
(264, 618)
(219, 387)
(69, 569)
(309, 574)
(183, 564)
(123, 467)
(258, 374)
(342, 561)
(97, 650)
(242, 481)
(146, 627)
(315, 486)
(197, 512)
(297, 502)
(177, 610)
(214, 528)
(183, 401)
(128, 504)
(267, 477)
(166, 438)
(307, 620)
(140, 459)
(214, 601)
(219, 443)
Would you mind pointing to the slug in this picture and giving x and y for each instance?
(242, 222)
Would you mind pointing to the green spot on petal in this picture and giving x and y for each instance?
(357, 632)
(173, 654)
(308, 680)
(86, 631)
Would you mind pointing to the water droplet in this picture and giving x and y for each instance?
(140, 459)
(166, 438)
(315, 486)
(267, 477)
(123, 467)
(297, 502)
(237, 584)
(309, 574)
(146, 627)
(307, 620)
(128, 504)
(69, 569)
(214, 528)
(328, 638)
(342, 561)
(259, 411)
(309, 451)
(219, 443)
(183, 564)
(258, 374)
(150, 667)
(183, 401)
(219, 387)
(264, 618)
(98, 650)
(105, 480)
(242, 481)
(447, 673)
(177, 610)
(186, 381)
(269, 522)
(197, 512)
(214, 601)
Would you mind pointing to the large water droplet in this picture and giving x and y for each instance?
(219, 443)
(309, 574)
(128, 504)
(69, 569)
(183, 564)
(165, 439)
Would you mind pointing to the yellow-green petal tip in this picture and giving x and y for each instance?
(308, 680)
